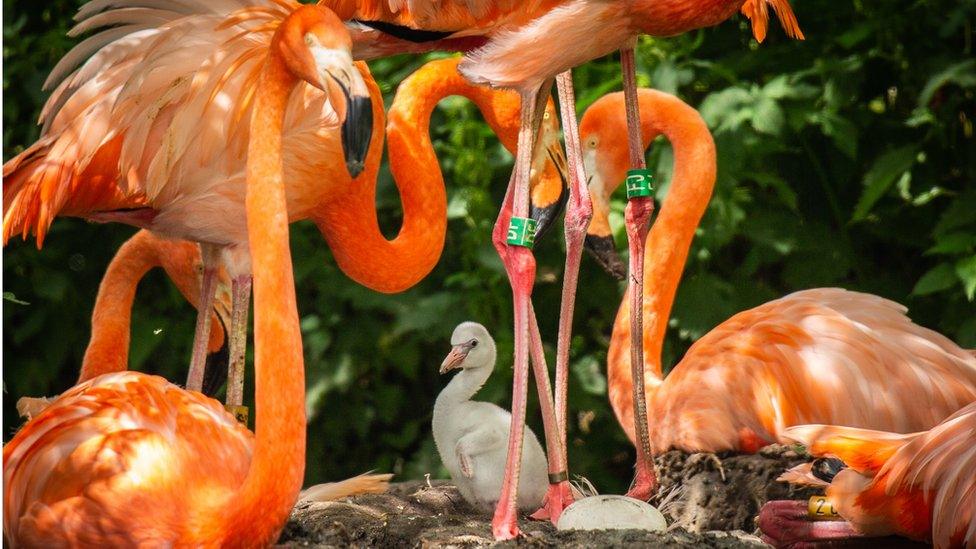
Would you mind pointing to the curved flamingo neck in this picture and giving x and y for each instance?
(350, 224)
(670, 237)
(260, 508)
(109, 344)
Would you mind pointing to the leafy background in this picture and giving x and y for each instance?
(845, 160)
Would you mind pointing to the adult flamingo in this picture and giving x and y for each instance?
(528, 44)
(149, 132)
(817, 356)
(108, 347)
(920, 485)
(179, 470)
(347, 216)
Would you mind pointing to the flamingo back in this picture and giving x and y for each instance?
(818, 356)
(123, 459)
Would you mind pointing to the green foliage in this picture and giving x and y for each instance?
(845, 160)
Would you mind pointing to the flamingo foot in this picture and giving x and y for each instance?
(645, 483)
(785, 524)
(505, 527)
(558, 497)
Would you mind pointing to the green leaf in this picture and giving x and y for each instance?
(768, 117)
(882, 175)
(953, 243)
(590, 375)
(962, 74)
(941, 277)
(966, 271)
(9, 296)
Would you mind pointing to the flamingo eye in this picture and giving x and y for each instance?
(473, 343)
(591, 143)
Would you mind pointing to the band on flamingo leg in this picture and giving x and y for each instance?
(640, 207)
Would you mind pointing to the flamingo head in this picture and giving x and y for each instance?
(549, 175)
(471, 347)
(317, 48)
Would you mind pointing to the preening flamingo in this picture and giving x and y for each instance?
(816, 356)
(921, 485)
(528, 44)
(128, 459)
(471, 436)
(149, 132)
(108, 347)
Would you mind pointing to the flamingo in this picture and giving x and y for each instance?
(920, 485)
(527, 44)
(108, 347)
(348, 219)
(129, 459)
(817, 356)
(147, 132)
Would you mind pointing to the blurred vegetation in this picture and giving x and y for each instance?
(845, 160)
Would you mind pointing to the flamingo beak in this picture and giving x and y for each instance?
(357, 131)
(455, 358)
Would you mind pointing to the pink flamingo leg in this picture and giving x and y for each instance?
(785, 524)
(520, 266)
(539, 367)
(637, 217)
(241, 302)
(201, 336)
(579, 210)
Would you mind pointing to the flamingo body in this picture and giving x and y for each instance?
(816, 356)
(123, 449)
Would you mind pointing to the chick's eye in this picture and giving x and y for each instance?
(473, 343)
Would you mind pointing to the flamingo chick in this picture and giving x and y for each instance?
(921, 485)
(472, 437)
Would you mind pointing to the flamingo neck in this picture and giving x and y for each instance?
(260, 508)
(670, 237)
(109, 344)
(350, 224)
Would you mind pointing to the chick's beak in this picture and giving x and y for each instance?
(455, 358)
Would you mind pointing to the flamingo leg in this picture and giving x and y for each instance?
(241, 302)
(579, 210)
(559, 494)
(637, 217)
(520, 266)
(198, 360)
(785, 524)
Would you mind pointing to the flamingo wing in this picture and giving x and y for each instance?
(758, 13)
(826, 356)
(110, 462)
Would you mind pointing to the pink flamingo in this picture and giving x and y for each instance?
(817, 356)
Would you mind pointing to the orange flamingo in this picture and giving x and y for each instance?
(817, 356)
(147, 132)
(130, 459)
(527, 45)
(920, 485)
(108, 348)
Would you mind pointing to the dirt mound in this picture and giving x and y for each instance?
(709, 501)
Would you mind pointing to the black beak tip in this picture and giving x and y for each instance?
(357, 132)
(604, 251)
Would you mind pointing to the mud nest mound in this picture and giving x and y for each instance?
(709, 501)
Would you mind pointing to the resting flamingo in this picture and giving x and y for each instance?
(817, 356)
(921, 485)
(130, 459)
(108, 347)
(527, 45)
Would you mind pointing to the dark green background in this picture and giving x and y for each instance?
(845, 160)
